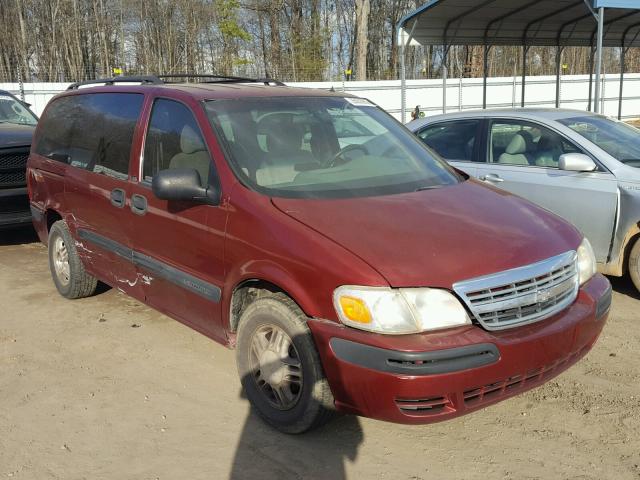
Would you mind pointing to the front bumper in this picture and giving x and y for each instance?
(431, 377)
(14, 208)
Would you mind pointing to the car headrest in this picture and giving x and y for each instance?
(517, 145)
(190, 141)
(548, 143)
(284, 139)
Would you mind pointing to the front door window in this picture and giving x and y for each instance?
(514, 142)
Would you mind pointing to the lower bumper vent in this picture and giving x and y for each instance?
(424, 406)
(519, 382)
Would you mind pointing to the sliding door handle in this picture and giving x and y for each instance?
(138, 204)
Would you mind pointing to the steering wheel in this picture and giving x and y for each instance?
(348, 148)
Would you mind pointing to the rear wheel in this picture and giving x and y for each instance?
(67, 270)
(279, 366)
(634, 264)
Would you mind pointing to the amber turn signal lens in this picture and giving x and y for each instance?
(355, 309)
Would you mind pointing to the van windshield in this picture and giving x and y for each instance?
(323, 147)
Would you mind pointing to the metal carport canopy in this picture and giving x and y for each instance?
(559, 23)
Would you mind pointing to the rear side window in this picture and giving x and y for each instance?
(452, 140)
(174, 140)
(92, 131)
(56, 127)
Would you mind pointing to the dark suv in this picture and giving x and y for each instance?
(349, 267)
(17, 124)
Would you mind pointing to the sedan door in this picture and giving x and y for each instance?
(456, 141)
(522, 158)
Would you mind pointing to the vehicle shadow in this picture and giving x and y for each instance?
(323, 453)
(624, 285)
(263, 452)
(18, 236)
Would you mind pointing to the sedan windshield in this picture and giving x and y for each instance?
(618, 139)
(12, 111)
(323, 147)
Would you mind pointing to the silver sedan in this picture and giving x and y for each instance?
(581, 166)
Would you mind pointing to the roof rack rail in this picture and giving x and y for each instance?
(223, 78)
(143, 79)
(162, 79)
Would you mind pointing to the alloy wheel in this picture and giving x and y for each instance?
(276, 367)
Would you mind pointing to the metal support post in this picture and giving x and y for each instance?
(444, 78)
(591, 77)
(525, 51)
(403, 86)
(599, 59)
(487, 49)
(623, 54)
(558, 73)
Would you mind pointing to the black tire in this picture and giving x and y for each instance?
(314, 405)
(76, 283)
(634, 264)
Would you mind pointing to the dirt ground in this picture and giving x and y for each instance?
(106, 388)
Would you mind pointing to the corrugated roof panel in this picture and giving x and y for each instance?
(522, 22)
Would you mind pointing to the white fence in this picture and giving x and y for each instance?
(462, 94)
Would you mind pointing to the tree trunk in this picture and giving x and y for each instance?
(362, 20)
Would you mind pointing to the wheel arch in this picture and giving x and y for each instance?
(51, 216)
(247, 291)
(620, 267)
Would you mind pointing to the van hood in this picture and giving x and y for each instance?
(14, 135)
(435, 238)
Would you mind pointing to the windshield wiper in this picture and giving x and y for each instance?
(432, 187)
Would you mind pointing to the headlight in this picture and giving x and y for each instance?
(586, 262)
(398, 311)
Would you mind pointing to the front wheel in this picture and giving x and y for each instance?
(634, 264)
(279, 366)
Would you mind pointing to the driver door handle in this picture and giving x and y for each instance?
(492, 177)
(118, 197)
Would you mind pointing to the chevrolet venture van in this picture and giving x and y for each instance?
(349, 268)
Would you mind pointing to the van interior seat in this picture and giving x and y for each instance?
(193, 154)
(284, 151)
(518, 151)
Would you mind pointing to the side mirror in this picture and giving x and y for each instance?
(182, 184)
(576, 162)
(25, 104)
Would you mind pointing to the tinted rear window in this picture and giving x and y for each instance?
(94, 131)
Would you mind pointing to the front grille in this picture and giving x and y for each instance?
(522, 295)
(10, 179)
(13, 165)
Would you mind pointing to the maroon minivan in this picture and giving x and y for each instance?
(350, 267)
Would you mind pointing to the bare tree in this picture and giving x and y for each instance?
(362, 18)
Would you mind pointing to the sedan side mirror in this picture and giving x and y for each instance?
(183, 184)
(576, 162)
